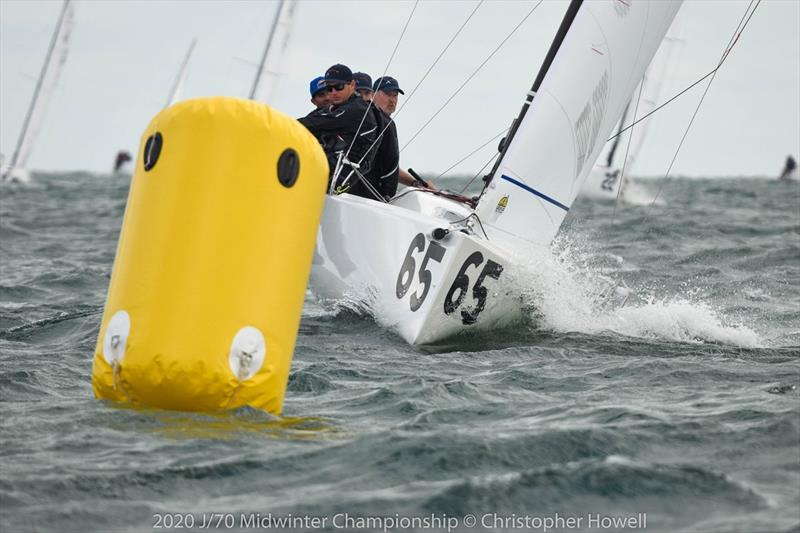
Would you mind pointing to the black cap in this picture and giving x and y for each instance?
(387, 84)
(338, 74)
(363, 81)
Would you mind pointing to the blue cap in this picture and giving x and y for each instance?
(363, 81)
(316, 85)
(387, 84)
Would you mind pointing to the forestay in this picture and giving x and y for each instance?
(602, 58)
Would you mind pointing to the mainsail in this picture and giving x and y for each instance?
(45, 86)
(274, 51)
(598, 57)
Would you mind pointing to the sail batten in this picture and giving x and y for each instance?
(591, 76)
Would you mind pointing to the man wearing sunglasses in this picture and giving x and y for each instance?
(347, 129)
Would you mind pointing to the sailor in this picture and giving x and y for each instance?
(387, 91)
(122, 157)
(788, 168)
(346, 129)
(363, 85)
(320, 96)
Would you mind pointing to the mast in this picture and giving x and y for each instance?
(613, 149)
(176, 86)
(275, 21)
(26, 123)
(566, 22)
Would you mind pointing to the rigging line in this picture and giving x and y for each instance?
(731, 43)
(494, 156)
(441, 54)
(470, 154)
(391, 57)
(407, 98)
(473, 74)
(697, 109)
(625, 160)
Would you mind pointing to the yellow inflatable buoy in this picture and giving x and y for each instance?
(213, 259)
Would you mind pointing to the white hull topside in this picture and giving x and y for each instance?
(385, 256)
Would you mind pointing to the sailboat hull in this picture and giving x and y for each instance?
(602, 183)
(426, 289)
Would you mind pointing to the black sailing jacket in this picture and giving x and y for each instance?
(336, 127)
(386, 168)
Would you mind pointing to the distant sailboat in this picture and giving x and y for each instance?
(45, 87)
(274, 51)
(605, 181)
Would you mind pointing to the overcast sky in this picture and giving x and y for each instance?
(125, 55)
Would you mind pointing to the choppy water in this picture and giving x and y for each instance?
(683, 405)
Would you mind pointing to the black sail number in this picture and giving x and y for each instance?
(435, 252)
(409, 267)
(479, 292)
(461, 283)
(406, 275)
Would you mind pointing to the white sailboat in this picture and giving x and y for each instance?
(274, 52)
(17, 169)
(607, 181)
(431, 267)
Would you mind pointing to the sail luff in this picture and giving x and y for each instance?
(600, 61)
(16, 158)
(181, 77)
(267, 47)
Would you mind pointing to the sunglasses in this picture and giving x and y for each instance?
(337, 87)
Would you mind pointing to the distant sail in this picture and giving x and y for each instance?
(274, 52)
(177, 86)
(599, 56)
(660, 70)
(45, 87)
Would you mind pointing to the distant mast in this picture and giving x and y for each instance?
(274, 50)
(622, 124)
(44, 88)
(174, 93)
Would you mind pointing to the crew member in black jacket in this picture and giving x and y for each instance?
(387, 162)
(346, 124)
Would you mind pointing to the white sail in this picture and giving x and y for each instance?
(177, 86)
(602, 58)
(274, 52)
(45, 87)
(660, 70)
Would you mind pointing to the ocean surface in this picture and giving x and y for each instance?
(677, 410)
